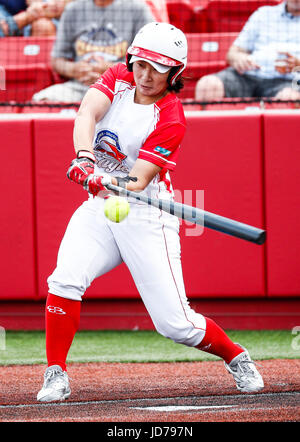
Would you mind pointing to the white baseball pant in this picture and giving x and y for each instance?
(148, 242)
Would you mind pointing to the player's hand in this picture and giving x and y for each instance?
(96, 183)
(81, 167)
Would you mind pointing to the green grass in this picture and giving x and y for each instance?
(140, 346)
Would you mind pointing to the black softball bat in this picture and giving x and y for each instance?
(198, 216)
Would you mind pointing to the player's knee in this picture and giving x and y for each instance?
(65, 290)
(209, 88)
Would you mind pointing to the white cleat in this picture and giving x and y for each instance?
(244, 372)
(56, 385)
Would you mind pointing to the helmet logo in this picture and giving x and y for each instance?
(179, 43)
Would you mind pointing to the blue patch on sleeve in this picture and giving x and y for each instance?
(163, 151)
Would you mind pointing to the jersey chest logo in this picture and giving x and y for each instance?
(107, 142)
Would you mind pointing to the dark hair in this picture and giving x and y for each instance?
(128, 64)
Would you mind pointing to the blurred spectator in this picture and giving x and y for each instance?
(12, 7)
(49, 12)
(262, 58)
(92, 35)
(159, 10)
(8, 8)
(31, 17)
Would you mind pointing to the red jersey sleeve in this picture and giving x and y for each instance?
(162, 146)
(107, 81)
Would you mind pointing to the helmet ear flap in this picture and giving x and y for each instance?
(173, 75)
(175, 80)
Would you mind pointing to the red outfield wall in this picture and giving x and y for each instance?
(246, 163)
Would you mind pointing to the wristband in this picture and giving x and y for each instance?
(86, 154)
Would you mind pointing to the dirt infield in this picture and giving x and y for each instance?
(153, 392)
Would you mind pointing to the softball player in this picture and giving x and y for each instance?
(127, 132)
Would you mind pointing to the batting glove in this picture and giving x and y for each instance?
(81, 167)
(96, 183)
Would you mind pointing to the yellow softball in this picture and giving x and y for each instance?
(116, 208)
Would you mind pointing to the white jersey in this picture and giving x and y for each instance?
(129, 131)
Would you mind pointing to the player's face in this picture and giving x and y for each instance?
(151, 85)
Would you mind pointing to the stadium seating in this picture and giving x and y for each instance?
(22, 81)
(213, 15)
(25, 50)
(207, 54)
(231, 15)
(209, 49)
(25, 63)
(188, 15)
